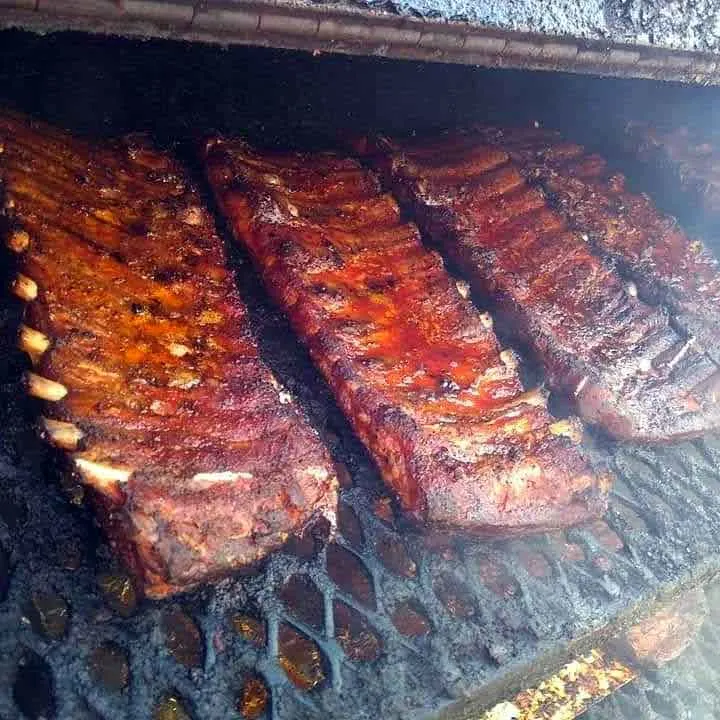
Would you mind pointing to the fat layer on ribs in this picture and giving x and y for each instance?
(416, 369)
(626, 368)
(197, 462)
(648, 247)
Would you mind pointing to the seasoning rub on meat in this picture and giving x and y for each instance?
(647, 246)
(617, 356)
(197, 462)
(417, 370)
(682, 163)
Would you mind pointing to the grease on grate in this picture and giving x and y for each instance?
(411, 620)
(119, 592)
(251, 628)
(300, 658)
(354, 633)
(254, 699)
(182, 637)
(303, 600)
(48, 614)
(394, 556)
(347, 571)
(108, 665)
(171, 707)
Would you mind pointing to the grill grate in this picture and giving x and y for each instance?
(378, 623)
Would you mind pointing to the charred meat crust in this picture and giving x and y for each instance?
(198, 463)
(626, 367)
(682, 162)
(648, 247)
(414, 366)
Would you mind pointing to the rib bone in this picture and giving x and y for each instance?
(64, 435)
(18, 241)
(33, 342)
(24, 287)
(103, 477)
(570, 428)
(40, 387)
(486, 320)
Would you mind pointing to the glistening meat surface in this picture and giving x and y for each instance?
(650, 248)
(682, 162)
(197, 461)
(417, 370)
(625, 367)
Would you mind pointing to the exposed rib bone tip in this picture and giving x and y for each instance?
(64, 435)
(271, 179)
(536, 397)
(25, 288)
(631, 289)
(681, 353)
(463, 288)
(33, 342)
(487, 321)
(509, 358)
(103, 477)
(569, 428)
(292, 209)
(178, 349)
(18, 241)
(40, 387)
(580, 386)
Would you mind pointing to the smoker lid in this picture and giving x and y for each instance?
(624, 38)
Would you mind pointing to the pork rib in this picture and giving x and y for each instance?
(416, 369)
(679, 162)
(616, 356)
(197, 460)
(648, 247)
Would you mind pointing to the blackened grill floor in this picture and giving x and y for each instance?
(455, 625)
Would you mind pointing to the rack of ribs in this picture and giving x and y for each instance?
(681, 163)
(616, 356)
(416, 369)
(197, 461)
(646, 246)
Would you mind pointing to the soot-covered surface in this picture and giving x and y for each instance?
(687, 25)
(381, 622)
(678, 24)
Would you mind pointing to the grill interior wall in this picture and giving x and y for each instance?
(490, 609)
